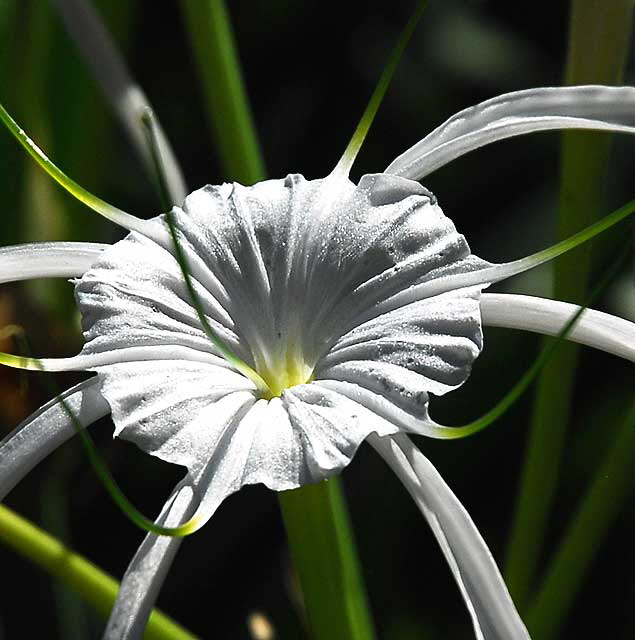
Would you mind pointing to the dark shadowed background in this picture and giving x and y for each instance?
(309, 69)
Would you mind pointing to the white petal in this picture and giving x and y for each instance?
(290, 273)
(48, 428)
(425, 347)
(48, 260)
(147, 570)
(303, 260)
(308, 434)
(593, 328)
(175, 409)
(404, 414)
(493, 613)
(135, 295)
(512, 114)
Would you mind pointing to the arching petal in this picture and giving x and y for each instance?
(493, 613)
(48, 428)
(147, 570)
(512, 114)
(127, 99)
(593, 328)
(48, 260)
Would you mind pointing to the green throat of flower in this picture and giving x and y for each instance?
(292, 371)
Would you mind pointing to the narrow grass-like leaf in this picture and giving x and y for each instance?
(610, 487)
(127, 99)
(55, 509)
(228, 109)
(235, 134)
(598, 43)
(91, 583)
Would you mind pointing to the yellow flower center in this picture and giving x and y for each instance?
(289, 373)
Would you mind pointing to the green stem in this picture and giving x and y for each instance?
(598, 42)
(323, 551)
(227, 105)
(612, 484)
(96, 587)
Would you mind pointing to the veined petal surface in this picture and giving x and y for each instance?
(291, 275)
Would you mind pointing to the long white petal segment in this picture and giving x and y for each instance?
(512, 114)
(94, 362)
(48, 428)
(48, 260)
(493, 613)
(593, 328)
(128, 100)
(147, 570)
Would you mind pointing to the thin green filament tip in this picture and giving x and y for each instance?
(98, 464)
(356, 141)
(223, 349)
(120, 499)
(118, 216)
(581, 237)
(543, 358)
(152, 139)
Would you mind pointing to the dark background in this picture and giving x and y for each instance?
(309, 68)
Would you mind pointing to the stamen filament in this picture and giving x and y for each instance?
(223, 349)
(150, 125)
(495, 273)
(543, 358)
(99, 466)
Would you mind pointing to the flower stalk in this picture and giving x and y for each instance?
(325, 553)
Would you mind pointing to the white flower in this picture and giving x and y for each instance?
(351, 303)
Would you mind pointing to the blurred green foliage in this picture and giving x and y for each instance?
(309, 69)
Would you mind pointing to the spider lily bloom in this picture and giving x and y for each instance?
(339, 309)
